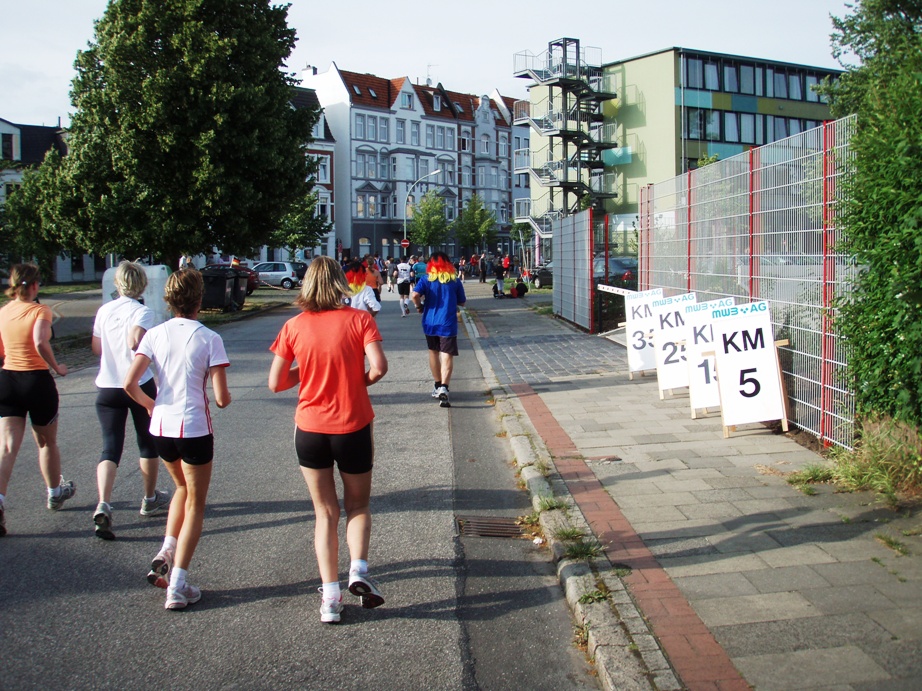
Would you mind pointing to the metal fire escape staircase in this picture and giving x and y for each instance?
(571, 120)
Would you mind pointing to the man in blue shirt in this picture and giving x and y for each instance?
(443, 294)
(419, 268)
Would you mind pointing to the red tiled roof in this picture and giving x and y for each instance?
(466, 101)
(361, 86)
(425, 95)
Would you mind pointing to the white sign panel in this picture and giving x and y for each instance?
(668, 334)
(748, 376)
(699, 339)
(640, 321)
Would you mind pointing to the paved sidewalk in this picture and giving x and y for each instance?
(742, 579)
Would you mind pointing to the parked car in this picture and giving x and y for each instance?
(622, 271)
(283, 274)
(542, 276)
(252, 276)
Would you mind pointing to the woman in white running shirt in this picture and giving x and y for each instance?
(185, 354)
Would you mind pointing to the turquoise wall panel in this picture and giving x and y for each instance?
(694, 99)
(616, 157)
(725, 151)
(745, 104)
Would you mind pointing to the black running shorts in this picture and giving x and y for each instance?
(192, 450)
(352, 452)
(31, 392)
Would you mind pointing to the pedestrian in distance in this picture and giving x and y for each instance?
(27, 387)
(482, 267)
(322, 351)
(500, 272)
(361, 295)
(118, 329)
(185, 354)
(403, 274)
(419, 269)
(389, 267)
(438, 295)
(373, 277)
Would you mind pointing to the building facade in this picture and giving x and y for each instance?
(396, 141)
(602, 131)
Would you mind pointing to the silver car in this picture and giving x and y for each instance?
(283, 274)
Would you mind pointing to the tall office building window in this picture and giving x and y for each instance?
(747, 128)
(730, 79)
(694, 73)
(760, 76)
(812, 96)
(712, 125)
(781, 85)
(694, 123)
(795, 91)
(747, 79)
(711, 76)
(731, 127)
(769, 82)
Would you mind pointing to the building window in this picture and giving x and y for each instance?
(372, 205)
(360, 206)
(430, 137)
(759, 81)
(747, 128)
(394, 206)
(502, 213)
(812, 96)
(711, 76)
(731, 127)
(360, 165)
(465, 140)
(450, 211)
(359, 126)
(485, 144)
(372, 128)
(747, 79)
(449, 168)
(323, 206)
(411, 203)
(372, 167)
(323, 169)
(712, 125)
(781, 85)
(414, 134)
(440, 138)
(436, 102)
(795, 91)
(401, 131)
(424, 167)
(364, 247)
(450, 139)
(694, 73)
(481, 176)
(382, 167)
(503, 145)
(730, 79)
(382, 130)
(466, 176)
(406, 101)
(694, 123)
(769, 82)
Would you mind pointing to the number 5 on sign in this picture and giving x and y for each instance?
(749, 378)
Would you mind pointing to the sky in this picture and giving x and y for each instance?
(468, 46)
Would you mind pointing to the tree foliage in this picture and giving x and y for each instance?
(475, 225)
(301, 227)
(429, 226)
(882, 218)
(183, 138)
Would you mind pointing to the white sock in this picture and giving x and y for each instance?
(151, 498)
(331, 591)
(169, 543)
(55, 491)
(178, 578)
(359, 565)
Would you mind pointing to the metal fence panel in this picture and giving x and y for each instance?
(761, 226)
(572, 250)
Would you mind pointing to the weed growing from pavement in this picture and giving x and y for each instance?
(552, 504)
(594, 596)
(542, 468)
(621, 571)
(912, 531)
(544, 310)
(811, 474)
(532, 519)
(892, 543)
(583, 549)
(581, 637)
(569, 534)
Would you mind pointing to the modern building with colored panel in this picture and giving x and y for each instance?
(652, 117)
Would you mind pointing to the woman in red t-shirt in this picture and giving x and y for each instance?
(322, 351)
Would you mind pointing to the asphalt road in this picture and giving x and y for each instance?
(461, 613)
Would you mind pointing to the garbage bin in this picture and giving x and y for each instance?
(219, 288)
(239, 295)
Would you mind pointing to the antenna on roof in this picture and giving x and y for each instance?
(429, 67)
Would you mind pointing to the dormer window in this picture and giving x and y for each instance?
(436, 102)
(406, 101)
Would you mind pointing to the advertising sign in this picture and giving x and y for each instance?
(668, 341)
(748, 375)
(699, 339)
(639, 325)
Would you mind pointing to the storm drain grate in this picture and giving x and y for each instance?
(488, 526)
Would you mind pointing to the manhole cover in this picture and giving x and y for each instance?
(488, 526)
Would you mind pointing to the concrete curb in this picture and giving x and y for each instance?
(619, 641)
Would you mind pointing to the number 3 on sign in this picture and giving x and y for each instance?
(641, 341)
(746, 380)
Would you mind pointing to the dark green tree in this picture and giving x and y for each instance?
(429, 226)
(183, 137)
(301, 227)
(882, 217)
(475, 226)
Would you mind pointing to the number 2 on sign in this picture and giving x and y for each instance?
(747, 380)
(672, 349)
(641, 341)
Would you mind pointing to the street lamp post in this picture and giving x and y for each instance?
(407, 200)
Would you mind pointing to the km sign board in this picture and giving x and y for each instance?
(639, 325)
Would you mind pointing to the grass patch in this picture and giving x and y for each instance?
(622, 571)
(544, 310)
(811, 474)
(594, 596)
(531, 520)
(47, 291)
(887, 459)
(543, 468)
(583, 549)
(552, 504)
(569, 534)
(581, 637)
(892, 543)
(212, 318)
